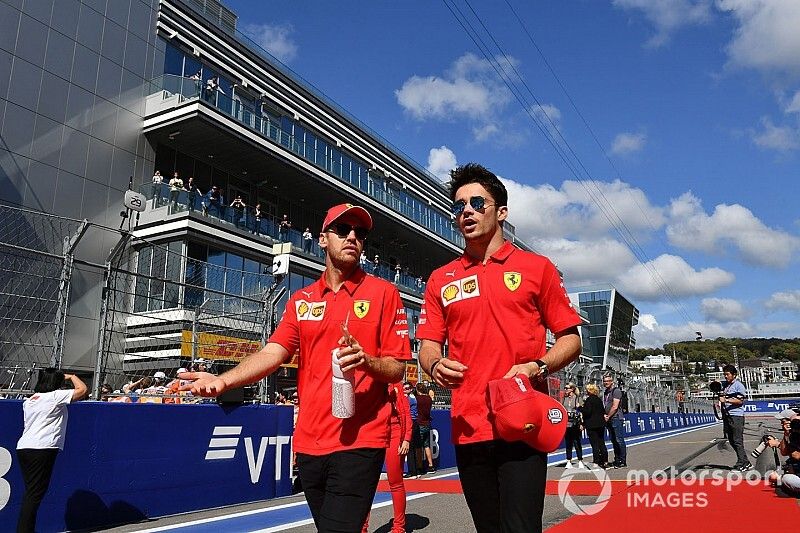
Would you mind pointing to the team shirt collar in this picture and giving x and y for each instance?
(499, 256)
(350, 284)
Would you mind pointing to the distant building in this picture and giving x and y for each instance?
(608, 338)
(657, 361)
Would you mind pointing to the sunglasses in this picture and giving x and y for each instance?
(342, 230)
(476, 202)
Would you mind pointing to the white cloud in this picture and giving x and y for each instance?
(441, 161)
(572, 212)
(723, 310)
(691, 228)
(586, 262)
(274, 38)
(676, 274)
(547, 113)
(794, 105)
(485, 132)
(469, 89)
(784, 301)
(668, 15)
(781, 138)
(767, 37)
(628, 143)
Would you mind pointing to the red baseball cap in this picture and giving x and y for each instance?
(335, 212)
(521, 413)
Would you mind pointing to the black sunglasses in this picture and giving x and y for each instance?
(342, 230)
(476, 202)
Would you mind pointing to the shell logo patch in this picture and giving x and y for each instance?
(361, 308)
(528, 428)
(512, 280)
(302, 309)
(554, 415)
(460, 289)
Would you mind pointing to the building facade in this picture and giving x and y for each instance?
(97, 96)
(608, 338)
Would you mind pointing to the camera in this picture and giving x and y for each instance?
(715, 387)
(761, 446)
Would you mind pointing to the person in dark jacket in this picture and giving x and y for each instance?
(594, 421)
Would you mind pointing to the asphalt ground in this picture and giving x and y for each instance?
(696, 449)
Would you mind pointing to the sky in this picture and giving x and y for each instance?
(650, 144)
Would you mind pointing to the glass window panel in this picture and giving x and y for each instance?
(157, 269)
(173, 61)
(140, 290)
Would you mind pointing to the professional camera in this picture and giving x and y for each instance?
(761, 446)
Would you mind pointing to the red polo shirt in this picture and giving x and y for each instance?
(312, 322)
(493, 316)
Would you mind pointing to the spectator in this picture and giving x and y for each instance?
(257, 219)
(238, 206)
(159, 386)
(212, 86)
(46, 416)
(424, 405)
(419, 283)
(732, 403)
(214, 201)
(362, 261)
(412, 459)
(789, 446)
(197, 78)
(397, 274)
(105, 390)
(191, 193)
(572, 438)
(615, 421)
(173, 391)
(308, 239)
(376, 265)
(175, 187)
(158, 180)
(283, 228)
(594, 421)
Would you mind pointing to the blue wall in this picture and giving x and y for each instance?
(126, 462)
(769, 407)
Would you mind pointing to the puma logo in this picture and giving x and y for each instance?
(451, 274)
(308, 294)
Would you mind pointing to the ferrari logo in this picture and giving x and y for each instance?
(361, 308)
(512, 280)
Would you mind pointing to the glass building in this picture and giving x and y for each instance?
(97, 94)
(608, 337)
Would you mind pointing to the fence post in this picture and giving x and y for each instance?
(101, 334)
(272, 296)
(63, 294)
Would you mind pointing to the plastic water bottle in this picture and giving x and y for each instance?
(343, 402)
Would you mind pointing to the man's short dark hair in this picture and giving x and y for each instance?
(730, 368)
(50, 379)
(475, 173)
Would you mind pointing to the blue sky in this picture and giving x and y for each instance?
(694, 107)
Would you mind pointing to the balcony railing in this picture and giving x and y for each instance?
(181, 200)
(188, 88)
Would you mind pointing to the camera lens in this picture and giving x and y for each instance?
(759, 449)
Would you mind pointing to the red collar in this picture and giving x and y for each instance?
(500, 255)
(350, 284)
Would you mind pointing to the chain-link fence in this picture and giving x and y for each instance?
(163, 312)
(36, 262)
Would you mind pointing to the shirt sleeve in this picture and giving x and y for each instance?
(394, 327)
(432, 325)
(62, 396)
(553, 302)
(287, 334)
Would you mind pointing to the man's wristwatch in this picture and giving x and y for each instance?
(543, 371)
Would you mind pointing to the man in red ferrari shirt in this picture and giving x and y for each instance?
(339, 459)
(493, 306)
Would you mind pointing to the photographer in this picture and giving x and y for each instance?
(731, 401)
(789, 446)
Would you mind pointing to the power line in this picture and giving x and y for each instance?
(571, 160)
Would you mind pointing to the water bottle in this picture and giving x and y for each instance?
(343, 401)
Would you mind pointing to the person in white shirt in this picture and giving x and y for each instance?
(46, 417)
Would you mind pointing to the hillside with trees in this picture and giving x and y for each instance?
(721, 350)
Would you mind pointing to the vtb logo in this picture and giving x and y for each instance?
(225, 441)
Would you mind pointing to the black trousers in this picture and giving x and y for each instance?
(503, 484)
(37, 469)
(572, 438)
(339, 487)
(734, 429)
(598, 442)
